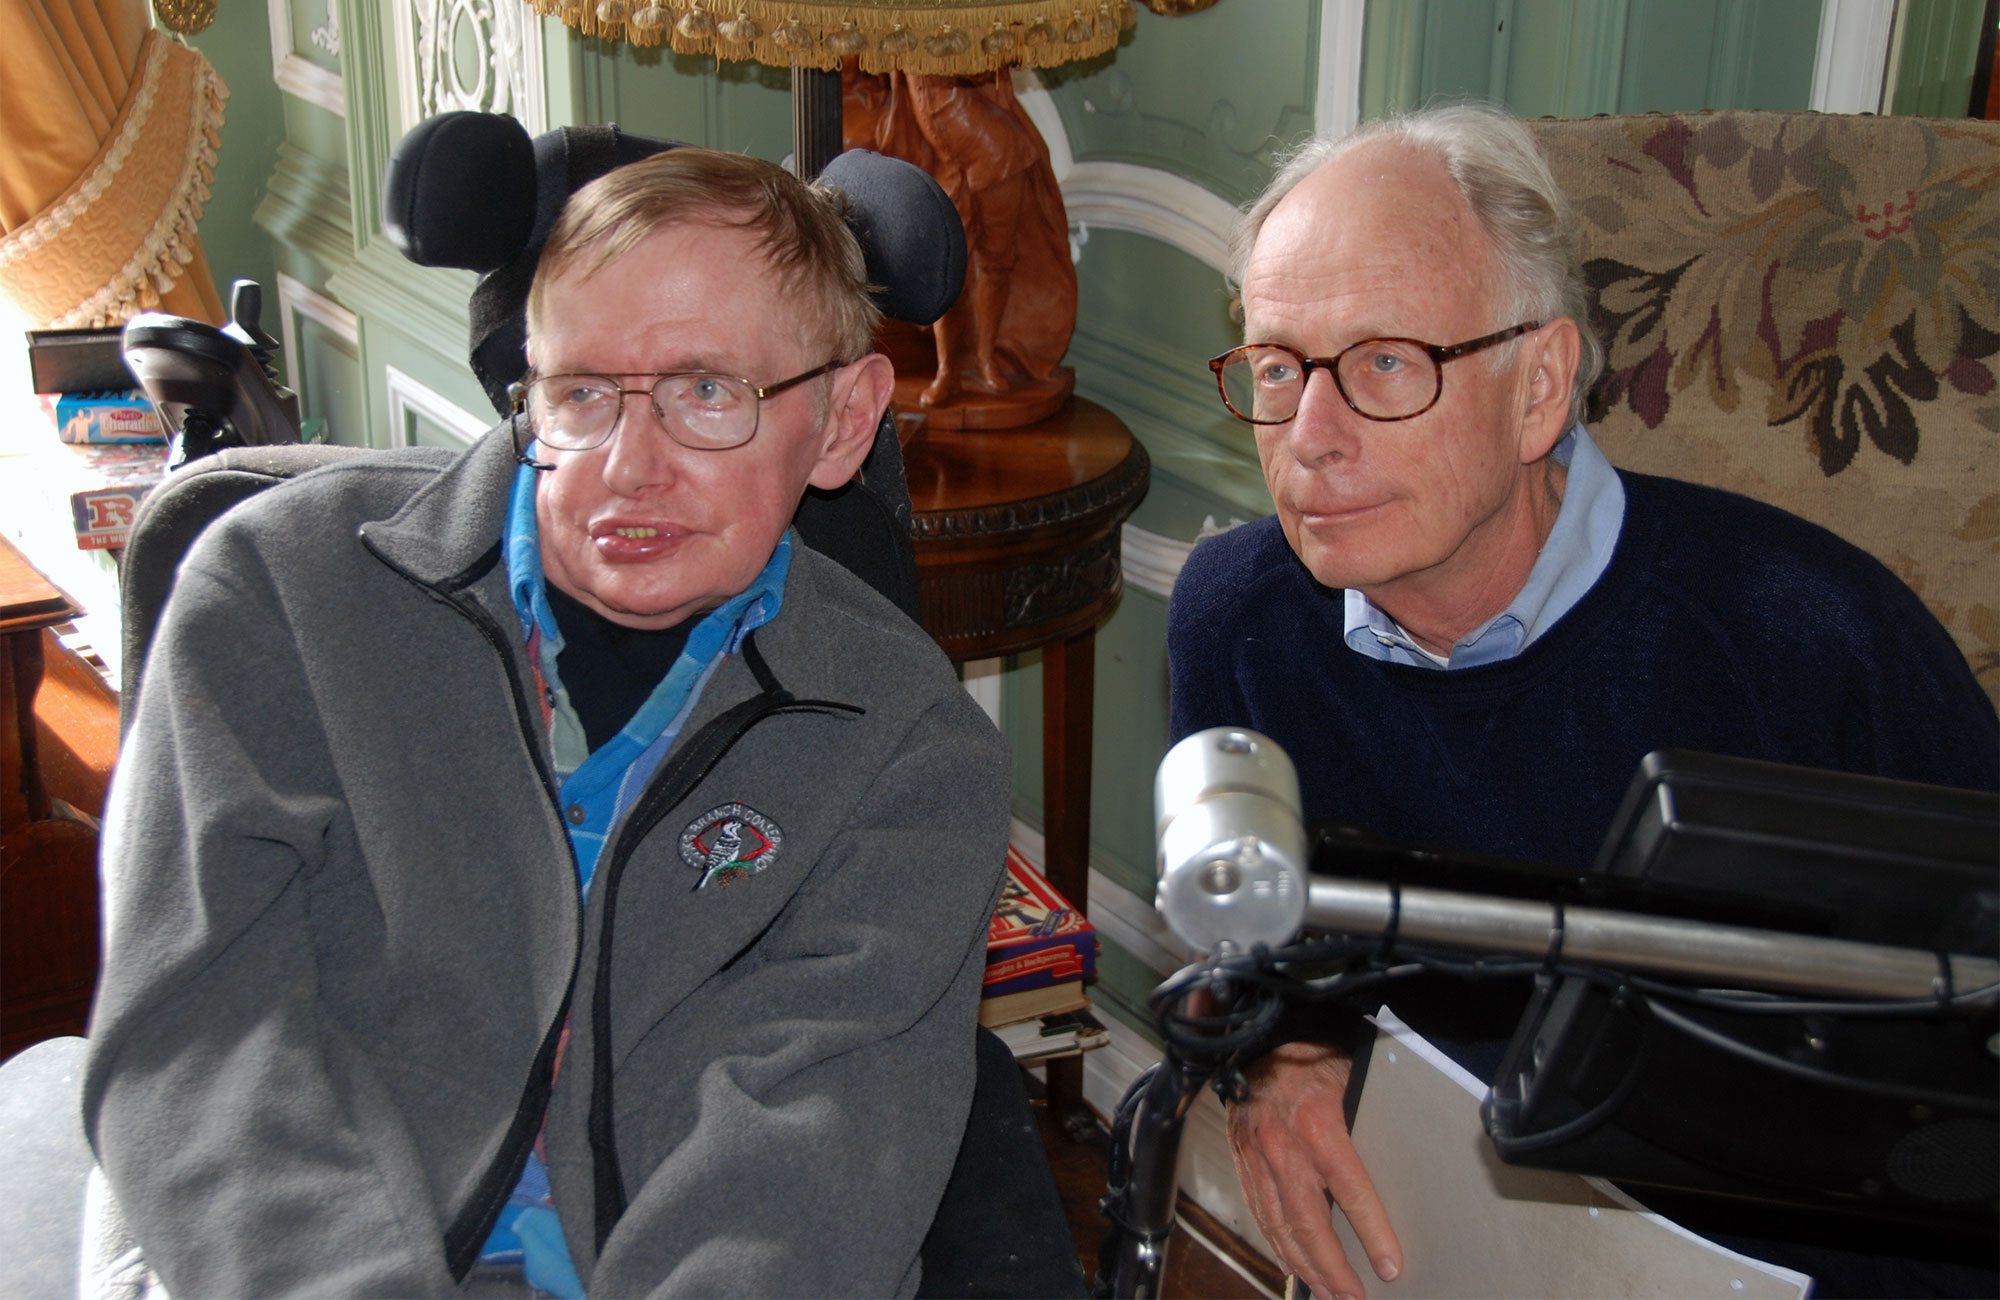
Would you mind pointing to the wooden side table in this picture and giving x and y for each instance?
(28, 603)
(1017, 549)
(48, 929)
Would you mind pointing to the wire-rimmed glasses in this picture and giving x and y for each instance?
(698, 409)
(1380, 379)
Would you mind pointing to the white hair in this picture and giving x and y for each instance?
(1502, 177)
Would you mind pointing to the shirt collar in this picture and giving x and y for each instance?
(1575, 555)
(752, 607)
(523, 550)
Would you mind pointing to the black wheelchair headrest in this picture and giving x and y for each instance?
(471, 190)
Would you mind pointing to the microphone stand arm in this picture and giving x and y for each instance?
(1734, 956)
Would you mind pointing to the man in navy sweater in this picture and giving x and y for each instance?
(1462, 624)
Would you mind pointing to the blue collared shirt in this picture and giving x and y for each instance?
(597, 787)
(1572, 559)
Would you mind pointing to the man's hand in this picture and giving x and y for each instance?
(1296, 1161)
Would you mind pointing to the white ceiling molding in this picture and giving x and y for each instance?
(297, 75)
(1337, 106)
(409, 396)
(1853, 57)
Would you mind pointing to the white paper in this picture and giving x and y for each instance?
(1474, 1226)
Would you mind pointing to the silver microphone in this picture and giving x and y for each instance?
(1232, 841)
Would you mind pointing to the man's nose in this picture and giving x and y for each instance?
(640, 453)
(1325, 425)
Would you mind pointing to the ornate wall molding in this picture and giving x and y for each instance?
(1152, 560)
(429, 304)
(298, 75)
(296, 300)
(410, 398)
(503, 74)
(1041, 109)
(1151, 202)
(1172, 209)
(1124, 196)
(305, 205)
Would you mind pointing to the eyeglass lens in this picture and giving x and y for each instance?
(1386, 379)
(578, 412)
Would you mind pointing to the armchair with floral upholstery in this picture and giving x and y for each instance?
(1805, 308)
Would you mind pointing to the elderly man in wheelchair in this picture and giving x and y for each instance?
(535, 869)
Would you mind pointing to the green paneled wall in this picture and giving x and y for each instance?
(1574, 58)
(239, 45)
(741, 107)
(1206, 97)
(1148, 318)
(328, 376)
(1940, 51)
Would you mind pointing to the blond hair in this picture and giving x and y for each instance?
(801, 228)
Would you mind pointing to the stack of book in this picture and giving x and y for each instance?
(1039, 952)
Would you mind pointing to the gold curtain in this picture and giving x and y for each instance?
(111, 131)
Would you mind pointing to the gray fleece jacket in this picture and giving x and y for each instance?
(344, 938)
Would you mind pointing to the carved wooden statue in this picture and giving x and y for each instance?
(999, 350)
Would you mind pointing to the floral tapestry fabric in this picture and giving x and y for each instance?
(1805, 308)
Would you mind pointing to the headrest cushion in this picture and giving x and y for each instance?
(471, 190)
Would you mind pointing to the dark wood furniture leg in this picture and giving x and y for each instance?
(1067, 679)
(26, 800)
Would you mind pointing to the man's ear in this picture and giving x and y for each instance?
(861, 392)
(1553, 354)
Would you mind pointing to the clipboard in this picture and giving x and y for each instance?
(1473, 1226)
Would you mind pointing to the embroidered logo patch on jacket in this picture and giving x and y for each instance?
(729, 843)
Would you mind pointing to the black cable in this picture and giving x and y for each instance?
(1775, 1004)
(1798, 1070)
(1118, 1172)
(1590, 1119)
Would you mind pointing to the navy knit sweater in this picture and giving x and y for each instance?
(1722, 625)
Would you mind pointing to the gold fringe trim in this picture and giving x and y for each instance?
(110, 245)
(928, 37)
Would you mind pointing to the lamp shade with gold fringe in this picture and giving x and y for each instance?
(938, 38)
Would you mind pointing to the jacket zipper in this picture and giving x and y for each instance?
(685, 770)
(470, 1227)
